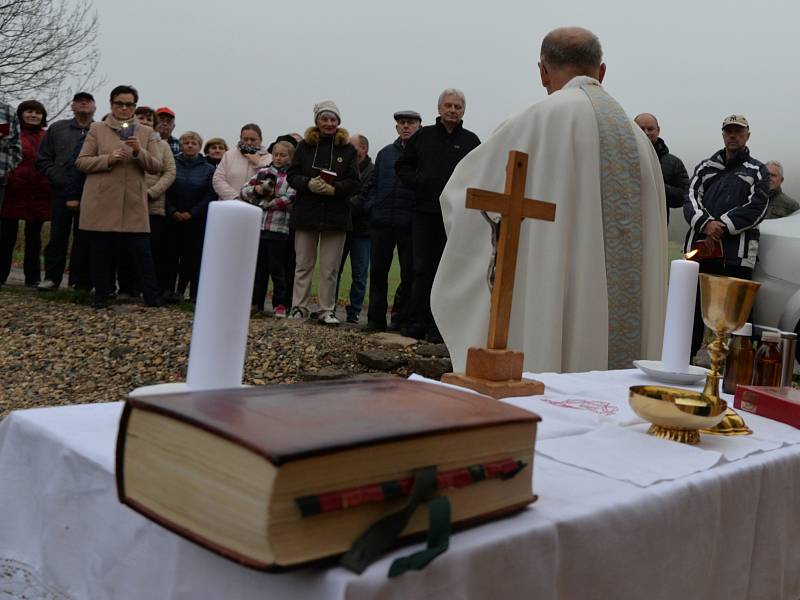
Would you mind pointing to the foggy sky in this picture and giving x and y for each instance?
(222, 64)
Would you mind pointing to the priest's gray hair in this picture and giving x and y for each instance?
(452, 92)
(571, 47)
(776, 164)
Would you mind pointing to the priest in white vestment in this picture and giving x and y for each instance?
(590, 289)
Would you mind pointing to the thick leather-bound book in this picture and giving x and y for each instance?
(776, 403)
(276, 477)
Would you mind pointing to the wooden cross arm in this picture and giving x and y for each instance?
(499, 203)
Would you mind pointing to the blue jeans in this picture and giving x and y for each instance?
(357, 246)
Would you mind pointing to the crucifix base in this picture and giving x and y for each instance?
(495, 373)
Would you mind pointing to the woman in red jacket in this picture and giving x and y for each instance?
(27, 197)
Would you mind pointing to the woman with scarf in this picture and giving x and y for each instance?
(324, 173)
(240, 164)
(27, 197)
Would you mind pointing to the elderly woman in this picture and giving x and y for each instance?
(27, 197)
(116, 155)
(324, 173)
(214, 150)
(240, 164)
(187, 207)
(157, 185)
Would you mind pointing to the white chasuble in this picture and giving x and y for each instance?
(590, 289)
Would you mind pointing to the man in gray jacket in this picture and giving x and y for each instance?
(780, 205)
(56, 161)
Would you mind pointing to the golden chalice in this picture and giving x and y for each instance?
(676, 414)
(726, 303)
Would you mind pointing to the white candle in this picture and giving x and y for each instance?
(222, 312)
(680, 315)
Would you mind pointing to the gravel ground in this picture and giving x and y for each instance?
(56, 353)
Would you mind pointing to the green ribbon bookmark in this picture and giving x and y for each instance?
(381, 535)
(438, 539)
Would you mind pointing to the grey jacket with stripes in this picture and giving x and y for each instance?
(734, 192)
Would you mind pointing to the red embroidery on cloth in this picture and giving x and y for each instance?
(604, 409)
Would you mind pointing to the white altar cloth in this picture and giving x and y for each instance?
(729, 532)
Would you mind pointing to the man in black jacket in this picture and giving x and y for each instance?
(428, 160)
(728, 197)
(676, 179)
(56, 161)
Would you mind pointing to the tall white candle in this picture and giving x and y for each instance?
(680, 315)
(222, 312)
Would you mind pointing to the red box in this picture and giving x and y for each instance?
(776, 403)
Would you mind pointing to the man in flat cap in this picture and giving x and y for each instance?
(728, 197)
(389, 209)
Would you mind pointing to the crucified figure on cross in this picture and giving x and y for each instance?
(513, 207)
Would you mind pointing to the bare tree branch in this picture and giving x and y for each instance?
(48, 50)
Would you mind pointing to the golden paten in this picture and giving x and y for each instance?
(675, 414)
(726, 303)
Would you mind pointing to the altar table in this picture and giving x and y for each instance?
(731, 531)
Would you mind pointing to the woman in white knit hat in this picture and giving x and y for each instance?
(324, 173)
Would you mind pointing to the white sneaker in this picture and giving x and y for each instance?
(328, 319)
(47, 286)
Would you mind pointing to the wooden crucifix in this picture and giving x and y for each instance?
(496, 370)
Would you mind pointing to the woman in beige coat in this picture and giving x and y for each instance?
(116, 155)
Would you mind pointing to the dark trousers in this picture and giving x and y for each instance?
(356, 246)
(63, 222)
(271, 263)
(32, 263)
(126, 274)
(428, 239)
(158, 248)
(712, 267)
(384, 239)
(289, 265)
(183, 247)
(103, 250)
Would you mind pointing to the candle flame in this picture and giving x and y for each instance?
(690, 254)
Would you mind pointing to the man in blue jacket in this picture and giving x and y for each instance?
(389, 208)
(728, 197)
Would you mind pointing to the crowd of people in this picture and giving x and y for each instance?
(134, 198)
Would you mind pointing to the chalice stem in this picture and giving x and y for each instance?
(717, 350)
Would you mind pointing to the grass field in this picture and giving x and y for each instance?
(344, 288)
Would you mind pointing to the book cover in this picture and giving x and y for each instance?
(776, 403)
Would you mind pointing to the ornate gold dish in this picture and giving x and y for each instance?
(726, 303)
(675, 414)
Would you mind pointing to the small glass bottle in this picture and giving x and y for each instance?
(739, 364)
(768, 363)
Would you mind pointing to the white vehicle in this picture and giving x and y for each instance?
(778, 270)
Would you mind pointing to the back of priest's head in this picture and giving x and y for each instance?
(568, 52)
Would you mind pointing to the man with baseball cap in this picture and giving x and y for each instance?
(56, 161)
(389, 209)
(728, 197)
(165, 123)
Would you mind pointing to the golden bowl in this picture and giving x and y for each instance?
(675, 414)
